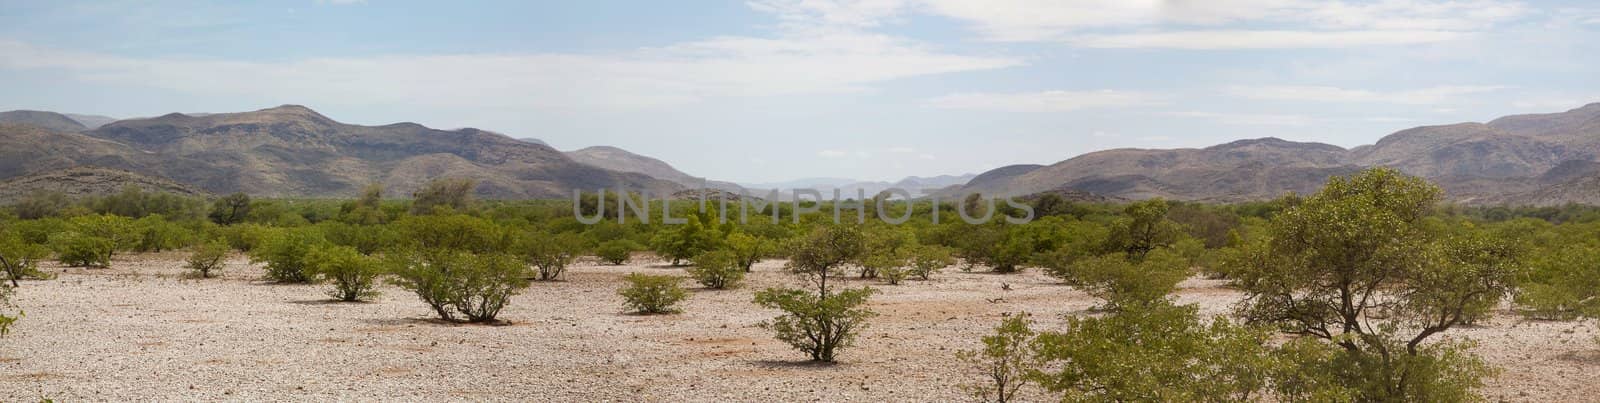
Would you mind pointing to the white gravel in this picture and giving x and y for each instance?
(141, 332)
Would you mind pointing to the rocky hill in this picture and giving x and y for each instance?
(620, 160)
(294, 151)
(88, 182)
(1523, 159)
(42, 119)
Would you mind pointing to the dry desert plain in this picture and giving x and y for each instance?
(143, 331)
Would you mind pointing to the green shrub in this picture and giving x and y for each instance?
(747, 249)
(616, 252)
(246, 237)
(208, 257)
(1006, 360)
(118, 231)
(1119, 280)
(460, 284)
(453, 232)
(366, 239)
(818, 325)
(652, 294)
(231, 209)
(1153, 352)
(551, 254)
(19, 259)
(927, 260)
(156, 234)
(718, 269)
(352, 274)
(287, 254)
(682, 242)
(79, 250)
(444, 196)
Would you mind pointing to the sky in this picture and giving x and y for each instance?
(774, 90)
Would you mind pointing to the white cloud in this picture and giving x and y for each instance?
(1189, 24)
(902, 150)
(1261, 39)
(1046, 101)
(795, 60)
(1245, 119)
(927, 156)
(1421, 96)
(832, 154)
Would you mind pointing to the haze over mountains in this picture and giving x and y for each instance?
(294, 151)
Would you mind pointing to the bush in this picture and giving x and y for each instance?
(208, 258)
(366, 239)
(818, 325)
(1120, 280)
(927, 260)
(747, 249)
(616, 252)
(117, 231)
(287, 255)
(444, 195)
(1154, 352)
(453, 283)
(40, 204)
(1006, 360)
(352, 274)
(231, 209)
(718, 269)
(79, 250)
(246, 237)
(551, 254)
(680, 242)
(19, 259)
(156, 234)
(652, 294)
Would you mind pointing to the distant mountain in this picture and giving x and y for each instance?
(91, 121)
(535, 141)
(1523, 159)
(88, 182)
(294, 151)
(621, 160)
(47, 120)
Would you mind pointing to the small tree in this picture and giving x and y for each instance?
(1122, 281)
(718, 269)
(551, 254)
(208, 257)
(452, 282)
(747, 249)
(1006, 360)
(116, 232)
(352, 274)
(885, 249)
(287, 255)
(79, 250)
(231, 209)
(927, 260)
(652, 294)
(18, 258)
(443, 194)
(678, 243)
(616, 252)
(823, 322)
(1357, 266)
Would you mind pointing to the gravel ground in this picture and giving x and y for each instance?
(142, 331)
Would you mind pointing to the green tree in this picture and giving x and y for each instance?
(18, 258)
(40, 204)
(451, 195)
(353, 275)
(1153, 352)
(678, 243)
(1123, 281)
(747, 249)
(927, 260)
(1356, 266)
(287, 255)
(617, 251)
(718, 269)
(1142, 228)
(231, 209)
(208, 257)
(551, 254)
(652, 294)
(822, 322)
(457, 284)
(1006, 360)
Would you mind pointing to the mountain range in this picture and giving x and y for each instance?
(292, 151)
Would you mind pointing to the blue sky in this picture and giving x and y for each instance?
(771, 90)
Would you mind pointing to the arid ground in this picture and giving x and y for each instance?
(142, 331)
